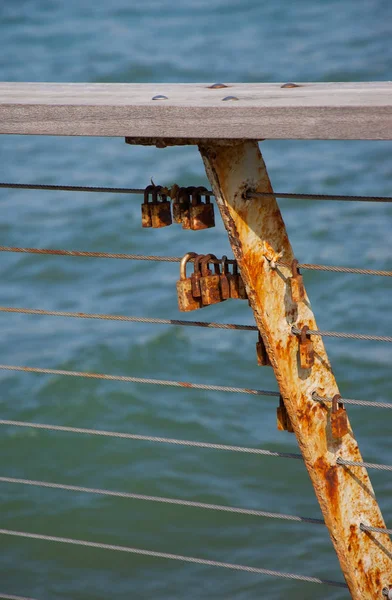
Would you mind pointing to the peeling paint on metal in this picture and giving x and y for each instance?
(257, 232)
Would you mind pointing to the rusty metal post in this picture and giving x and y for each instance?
(258, 236)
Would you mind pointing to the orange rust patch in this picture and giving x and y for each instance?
(330, 476)
(185, 384)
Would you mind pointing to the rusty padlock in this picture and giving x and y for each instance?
(196, 276)
(146, 207)
(184, 199)
(339, 422)
(186, 301)
(296, 283)
(210, 282)
(306, 351)
(237, 286)
(283, 419)
(262, 354)
(176, 205)
(160, 209)
(201, 213)
(225, 277)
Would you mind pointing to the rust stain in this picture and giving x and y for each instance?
(255, 225)
(185, 384)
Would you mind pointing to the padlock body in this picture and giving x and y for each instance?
(262, 354)
(306, 354)
(202, 216)
(196, 290)
(185, 216)
(237, 288)
(283, 420)
(210, 289)
(339, 423)
(225, 285)
(161, 214)
(146, 215)
(297, 288)
(177, 212)
(186, 301)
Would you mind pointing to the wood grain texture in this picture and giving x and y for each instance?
(309, 111)
(258, 235)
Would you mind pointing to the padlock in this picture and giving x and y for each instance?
(262, 354)
(237, 286)
(201, 214)
(186, 301)
(183, 210)
(225, 277)
(176, 206)
(283, 419)
(146, 207)
(210, 282)
(196, 276)
(339, 422)
(160, 209)
(306, 351)
(296, 283)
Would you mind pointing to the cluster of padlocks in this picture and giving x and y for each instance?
(184, 205)
(207, 285)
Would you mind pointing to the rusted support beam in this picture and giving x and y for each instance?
(258, 235)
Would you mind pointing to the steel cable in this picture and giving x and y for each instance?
(116, 190)
(335, 269)
(71, 188)
(150, 438)
(206, 324)
(175, 501)
(368, 465)
(177, 259)
(338, 334)
(79, 315)
(364, 527)
(12, 597)
(369, 403)
(128, 379)
(336, 197)
(166, 555)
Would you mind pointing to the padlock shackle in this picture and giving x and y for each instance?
(206, 261)
(197, 193)
(294, 268)
(304, 334)
(184, 261)
(148, 190)
(183, 195)
(196, 264)
(225, 267)
(336, 402)
(162, 194)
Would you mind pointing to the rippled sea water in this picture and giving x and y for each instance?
(161, 41)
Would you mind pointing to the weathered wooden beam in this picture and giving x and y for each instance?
(198, 111)
(258, 235)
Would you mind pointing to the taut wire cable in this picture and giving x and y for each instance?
(150, 438)
(163, 500)
(169, 556)
(339, 334)
(117, 190)
(364, 527)
(177, 259)
(105, 317)
(126, 378)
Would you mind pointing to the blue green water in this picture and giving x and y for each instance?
(158, 41)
